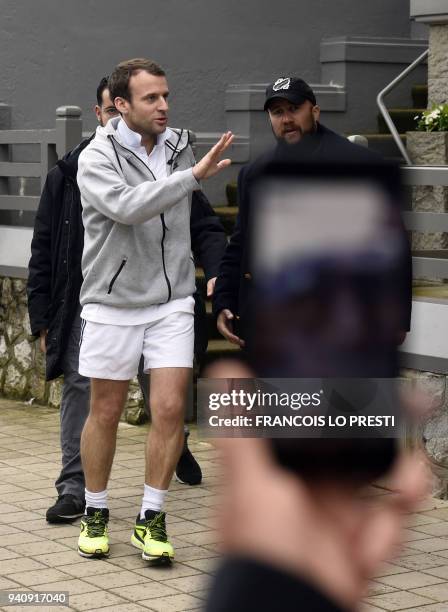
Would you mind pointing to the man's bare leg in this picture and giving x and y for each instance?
(98, 439)
(164, 444)
(168, 398)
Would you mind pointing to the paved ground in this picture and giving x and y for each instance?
(35, 556)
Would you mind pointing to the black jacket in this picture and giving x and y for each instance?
(234, 278)
(247, 585)
(55, 278)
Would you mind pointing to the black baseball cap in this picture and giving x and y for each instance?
(290, 88)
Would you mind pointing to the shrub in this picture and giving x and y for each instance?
(434, 119)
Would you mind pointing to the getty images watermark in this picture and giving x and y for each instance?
(299, 408)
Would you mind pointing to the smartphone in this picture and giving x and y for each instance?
(330, 292)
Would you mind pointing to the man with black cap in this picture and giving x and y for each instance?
(294, 117)
(292, 109)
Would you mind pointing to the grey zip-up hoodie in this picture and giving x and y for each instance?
(137, 248)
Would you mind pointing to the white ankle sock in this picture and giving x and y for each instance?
(153, 499)
(96, 500)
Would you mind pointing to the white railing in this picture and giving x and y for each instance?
(15, 242)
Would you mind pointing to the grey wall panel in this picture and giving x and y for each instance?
(53, 52)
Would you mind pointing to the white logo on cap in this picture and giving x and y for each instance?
(282, 83)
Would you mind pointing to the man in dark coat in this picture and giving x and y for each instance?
(294, 117)
(53, 288)
(54, 284)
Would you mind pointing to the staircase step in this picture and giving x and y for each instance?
(403, 118)
(384, 144)
(231, 193)
(227, 214)
(221, 348)
(420, 96)
(212, 331)
(201, 285)
(431, 291)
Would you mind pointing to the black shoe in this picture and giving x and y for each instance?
(66, 509)
(188, 470)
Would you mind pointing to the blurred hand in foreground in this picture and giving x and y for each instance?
(330, 533)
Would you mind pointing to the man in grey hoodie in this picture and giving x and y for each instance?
(136, 179)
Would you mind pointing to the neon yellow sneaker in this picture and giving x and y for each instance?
(138, 537)
(93, 540)
(150, 537)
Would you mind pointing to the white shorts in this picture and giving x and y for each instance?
(113, 352)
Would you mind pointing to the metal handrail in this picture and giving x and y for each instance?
(383, 110)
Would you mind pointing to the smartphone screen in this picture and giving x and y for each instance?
(327, 265)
